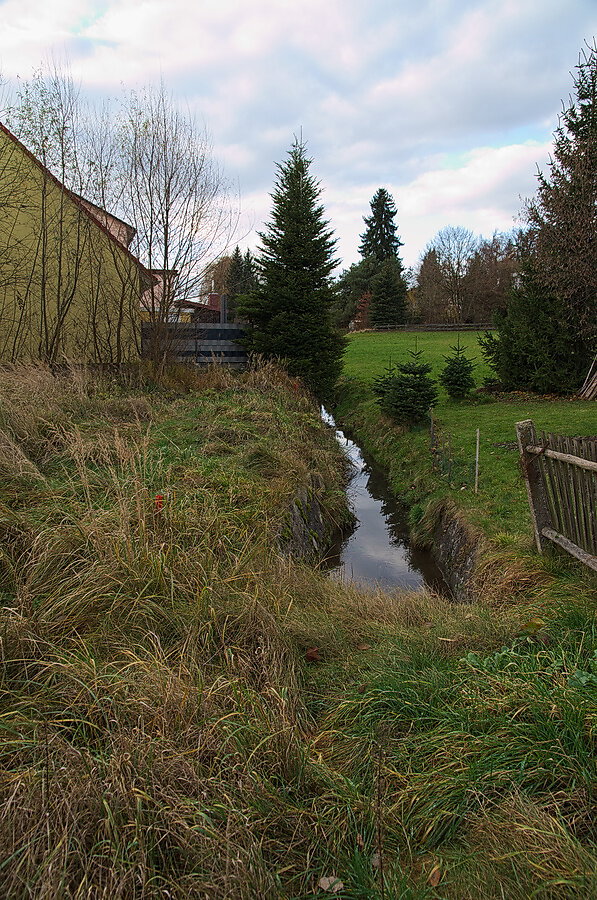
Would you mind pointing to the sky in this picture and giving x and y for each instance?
(448, 104)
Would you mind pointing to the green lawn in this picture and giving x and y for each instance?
(370, 352)
(501, 504)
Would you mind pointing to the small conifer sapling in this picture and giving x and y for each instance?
(457, 374)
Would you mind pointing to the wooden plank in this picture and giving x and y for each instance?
(587, 558)
(587, 464)
(538, 501)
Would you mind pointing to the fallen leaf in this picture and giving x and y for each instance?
(435, 876)
(312, 654)
(532, 626)
(363, 646)
(330, 883)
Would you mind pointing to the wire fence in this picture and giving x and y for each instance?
(456, 468)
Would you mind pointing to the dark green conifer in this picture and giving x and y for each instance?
(406, 392)
(380, 238)
(457, 374)
(289, 313)
(388, 295)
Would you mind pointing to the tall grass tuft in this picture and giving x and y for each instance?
(165, 732)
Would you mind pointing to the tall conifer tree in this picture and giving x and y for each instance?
(290, 310)
(381, 263)
(563, 215)
(380, 238)
(548, 336)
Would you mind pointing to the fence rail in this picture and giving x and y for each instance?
(561, 479)
(433, 327)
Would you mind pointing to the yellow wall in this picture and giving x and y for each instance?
(67, 290)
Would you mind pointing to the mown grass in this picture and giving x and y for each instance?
(164, 732)
(500, 509)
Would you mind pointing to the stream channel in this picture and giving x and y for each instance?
(377, 552)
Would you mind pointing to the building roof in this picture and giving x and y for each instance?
(81, 203)
(130, 230)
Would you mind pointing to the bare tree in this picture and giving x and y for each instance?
(148, 163)
(454, 247)
(177, 199)
(489, 277)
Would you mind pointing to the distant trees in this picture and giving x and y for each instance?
(241, 280)
(548, 333)
(289, 312)
(387, 305)
(375, 286)
(464, 278)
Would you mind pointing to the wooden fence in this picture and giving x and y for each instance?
(201, 343)
(438, 326)
(561, 479)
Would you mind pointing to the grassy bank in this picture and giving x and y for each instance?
(500, 509)
(186, 713)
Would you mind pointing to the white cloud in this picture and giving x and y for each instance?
(448, 103)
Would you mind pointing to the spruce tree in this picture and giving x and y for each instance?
(234, 282)
(563, 215)
(388, 295)
(380, 238)
(457, 374)
(250, 279)
(381, 264)
(289, 313)
(547, 336)
(535, 347)
(406, 392)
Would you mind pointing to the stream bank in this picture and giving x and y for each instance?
(377, 551)
(436, 527)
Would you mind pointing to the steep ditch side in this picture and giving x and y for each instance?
(309, 528)
(456, 546)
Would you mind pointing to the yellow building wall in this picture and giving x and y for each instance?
(67, 290)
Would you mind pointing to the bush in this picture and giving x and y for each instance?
(406, 392)
(457, 375)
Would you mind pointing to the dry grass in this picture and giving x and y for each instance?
(164, 734)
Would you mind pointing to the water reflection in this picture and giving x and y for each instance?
(378, 549)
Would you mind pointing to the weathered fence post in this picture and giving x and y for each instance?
(533, 477)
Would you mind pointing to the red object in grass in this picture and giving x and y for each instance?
(159, 501)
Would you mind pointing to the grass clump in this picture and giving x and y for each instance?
(165, 732)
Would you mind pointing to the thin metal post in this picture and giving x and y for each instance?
(477, 464)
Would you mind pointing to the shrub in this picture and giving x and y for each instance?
(406, 392)
(457, 374)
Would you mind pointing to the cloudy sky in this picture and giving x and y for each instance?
(449, 104)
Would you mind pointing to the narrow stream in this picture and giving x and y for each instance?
(377, 552)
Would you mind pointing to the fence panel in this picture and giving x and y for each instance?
(561, 479)
(203, 342)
